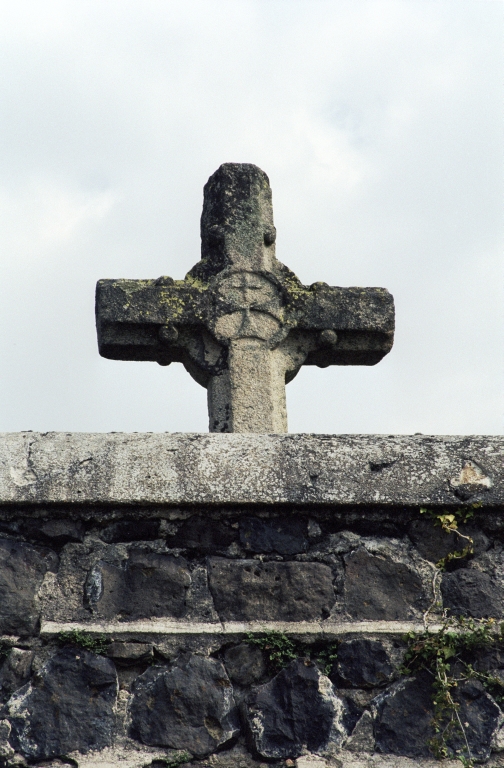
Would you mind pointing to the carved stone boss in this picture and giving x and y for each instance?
(241, 323)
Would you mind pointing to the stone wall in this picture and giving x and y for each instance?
(234, 600)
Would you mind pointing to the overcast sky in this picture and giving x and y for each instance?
(379, 123)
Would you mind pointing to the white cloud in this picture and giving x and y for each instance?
(378, 122)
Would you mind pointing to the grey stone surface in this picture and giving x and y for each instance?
(298, 709)
(40, 470)
(190, 706)
(310, 761)
(22, 570)
(242, 323)
(68, 706)
(6, 750)
(346, 759)
(378, 587)
(363, 663)
(249, 590)
(244, 663)
(362, 737)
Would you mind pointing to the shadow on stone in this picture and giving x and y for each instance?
(287, 536)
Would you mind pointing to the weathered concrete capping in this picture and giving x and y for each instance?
(212, 470)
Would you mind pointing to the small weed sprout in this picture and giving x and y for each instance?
(437, 652)
(449, 522)
(326, 658)
(277, 646)
(98, 645)
(280, 650)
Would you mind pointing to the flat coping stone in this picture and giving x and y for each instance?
(215, 470)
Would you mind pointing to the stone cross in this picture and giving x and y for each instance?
(242, 323)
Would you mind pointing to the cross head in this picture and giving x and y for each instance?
(241, 322)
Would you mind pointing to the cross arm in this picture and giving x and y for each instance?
(362, 319)
(149, 319)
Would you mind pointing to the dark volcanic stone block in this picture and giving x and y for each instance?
(363, 663)
(248, 590)
(149, 585)
(244, 663)
(69, 706)
(131, 530)
(57, 530)
(434, 544)
(378, 588)
(202, 534)
(285, 535)
(404, 713)
(469, 592)
(22, 570)
(15, 671)
(489, 659)
(480, 715)
(128, 654)
(189, 707)
(297, 709)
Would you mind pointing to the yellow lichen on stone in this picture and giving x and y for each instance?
(172, 301)
(194, 282)
(295, 289)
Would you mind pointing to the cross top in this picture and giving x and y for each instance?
(242, 323)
